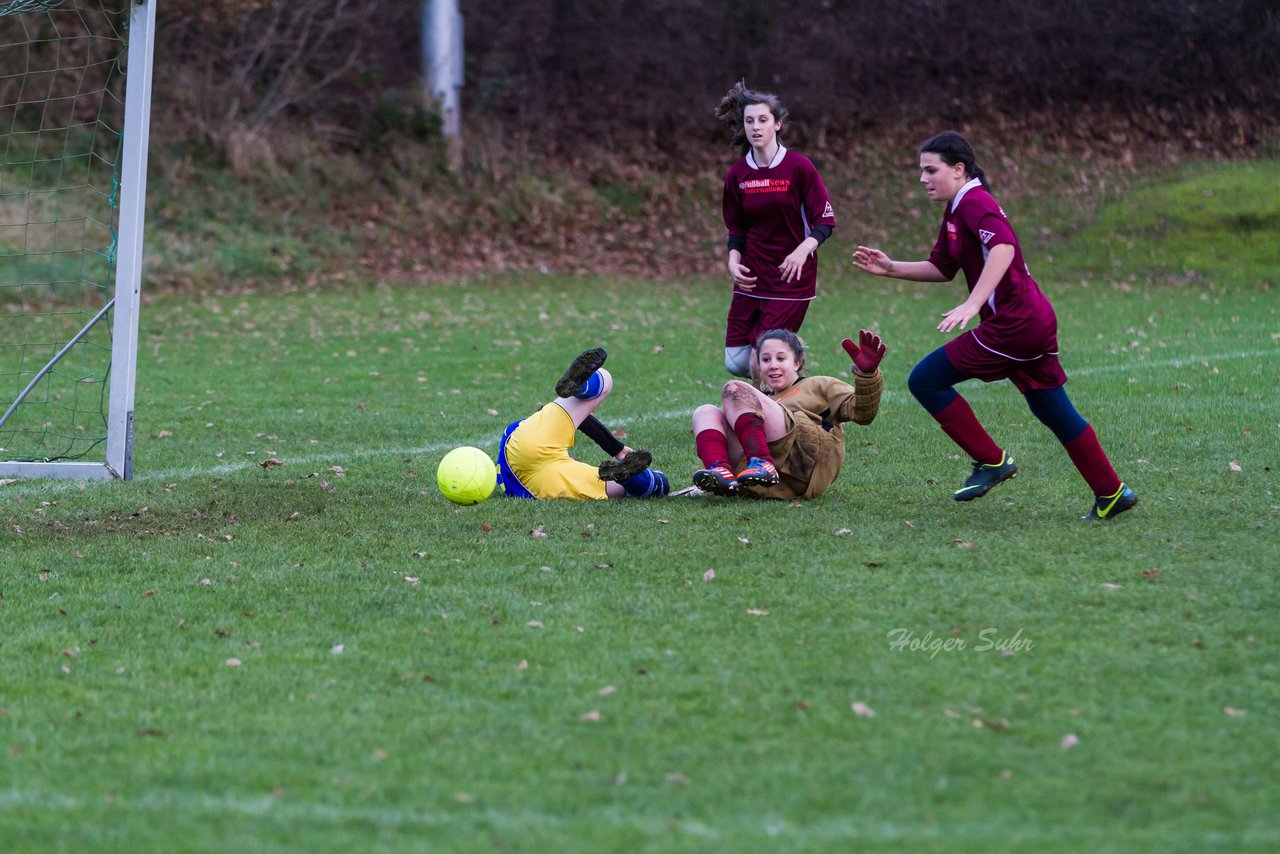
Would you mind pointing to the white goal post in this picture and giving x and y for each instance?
(38, 246)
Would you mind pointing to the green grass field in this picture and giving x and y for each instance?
(326, 655)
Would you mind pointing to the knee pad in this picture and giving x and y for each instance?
(737, 360)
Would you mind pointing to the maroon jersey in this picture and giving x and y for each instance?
(1017, 321)
(774, 208)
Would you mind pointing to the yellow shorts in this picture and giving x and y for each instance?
(538, 453)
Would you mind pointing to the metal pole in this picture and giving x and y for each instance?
(442, 68)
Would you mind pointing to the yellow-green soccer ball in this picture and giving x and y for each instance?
(466, 475)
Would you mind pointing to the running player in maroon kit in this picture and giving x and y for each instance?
(1016, 337)
(777, 213)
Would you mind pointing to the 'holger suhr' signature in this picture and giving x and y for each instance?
(989, 639)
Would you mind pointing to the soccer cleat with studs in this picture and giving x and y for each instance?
(986, 476)
(758, 473)
(580, 370)
(626, 468)
(1110, 506)
(718, 480)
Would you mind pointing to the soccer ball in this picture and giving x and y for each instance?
(466, 475)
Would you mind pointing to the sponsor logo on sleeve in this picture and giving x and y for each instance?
(828, 212)
(985, 235)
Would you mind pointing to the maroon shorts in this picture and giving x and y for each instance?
(751, 317)
(970, 358)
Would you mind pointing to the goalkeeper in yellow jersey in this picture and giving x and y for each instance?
(787, 441)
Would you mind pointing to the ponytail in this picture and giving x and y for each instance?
(733, 106)
(954, 148)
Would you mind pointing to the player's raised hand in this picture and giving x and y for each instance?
(872, 260)
(867, 353)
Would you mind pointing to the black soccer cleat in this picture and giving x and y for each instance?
(580, 370)
(985, 477)
(1110, 506)
(626, 468)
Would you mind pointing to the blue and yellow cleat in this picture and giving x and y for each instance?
(985, 477)
(1110, 506)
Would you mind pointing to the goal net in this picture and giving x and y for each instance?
(75, 93)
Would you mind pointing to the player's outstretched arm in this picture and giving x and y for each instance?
(875, 262)
(867, 380)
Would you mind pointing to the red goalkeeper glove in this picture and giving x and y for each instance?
(867, 353)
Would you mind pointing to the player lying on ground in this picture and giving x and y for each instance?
(786, 442)
(533, 455)
(1016, 337)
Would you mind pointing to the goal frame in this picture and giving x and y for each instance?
(125, 302)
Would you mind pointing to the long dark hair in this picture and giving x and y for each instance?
(954, 148)
(734, 104)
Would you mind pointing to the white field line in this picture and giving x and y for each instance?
(489, 441)
(1186, 361)
(178, 805)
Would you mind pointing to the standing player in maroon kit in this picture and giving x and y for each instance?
(1016, 338)
(777, 213)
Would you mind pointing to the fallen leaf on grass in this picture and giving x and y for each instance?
(534, 624)
(756, 612)
(1110, 586)
(709, 575)
(744, 541)
(677, 778)
(844, 532)
(963, 544)
(862, 710)
(1234, 466)
(337, 649)
(523, 665)
(266, 464)
(593, 715)
(1070, 740)
(1150, 573)
(1233, 713)
(233, 662)
(539, 532)
(410, 579)
(606, 690)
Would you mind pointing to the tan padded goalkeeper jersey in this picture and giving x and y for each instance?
(809, 456)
